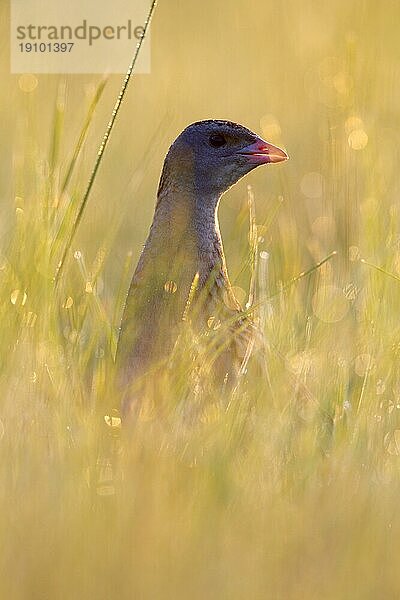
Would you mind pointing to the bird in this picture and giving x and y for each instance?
(182, 266)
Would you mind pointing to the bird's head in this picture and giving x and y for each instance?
(208, 157)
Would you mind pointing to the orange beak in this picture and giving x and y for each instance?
(262, 152)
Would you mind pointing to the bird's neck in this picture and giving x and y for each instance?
(191, 227)
(185, 239)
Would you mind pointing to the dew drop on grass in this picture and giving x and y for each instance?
(354, 253)
(213, 323)
(112, 421)
(18, 295)
(380, 387)
(170, 287)
(68, 303)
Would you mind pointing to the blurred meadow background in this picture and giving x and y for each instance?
(277, 497)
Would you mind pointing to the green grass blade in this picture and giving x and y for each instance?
(104, 142)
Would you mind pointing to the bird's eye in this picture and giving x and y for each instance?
(217, 140)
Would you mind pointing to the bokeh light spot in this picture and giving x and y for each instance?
(28, 83)
(329, 304)
(358, 139)
(240, 294)
(270, 127)
(353, 123)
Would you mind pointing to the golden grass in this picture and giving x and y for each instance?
(276, 497)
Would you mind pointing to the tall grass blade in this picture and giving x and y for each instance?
(253, 243)
(61, 231)
(380, 269)
(104, 142)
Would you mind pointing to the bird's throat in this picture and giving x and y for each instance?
(185, 240)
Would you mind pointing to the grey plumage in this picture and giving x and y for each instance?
(206, 159)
